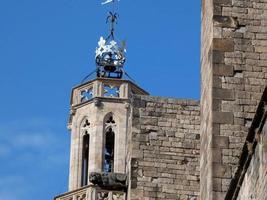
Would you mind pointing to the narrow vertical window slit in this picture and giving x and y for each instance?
(85, 159)
(109, 151)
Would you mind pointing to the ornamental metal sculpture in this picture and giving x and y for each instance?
(110, 55)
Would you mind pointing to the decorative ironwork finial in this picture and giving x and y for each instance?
(110, 55)
(112, 19)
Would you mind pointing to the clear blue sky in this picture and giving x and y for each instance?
(47, 47)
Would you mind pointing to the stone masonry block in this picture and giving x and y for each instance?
(217, 184)
(216, 153)
(221, 171)
(224, 45)
(223, 94)
(222, 2)
(220, 142)
(223, 117)
(217, 10)
(216, 82)
(218, 195)
(217, 57)
(261, 49)
(223, 70)
(216, 105)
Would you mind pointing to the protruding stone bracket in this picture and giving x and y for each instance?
(109, 180)
(97, 102)
(127, 106)
(72, 113)
(225, 21)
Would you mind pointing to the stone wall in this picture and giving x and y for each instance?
(231, 86)
(250, 180)
(254, 186)
(165, 149)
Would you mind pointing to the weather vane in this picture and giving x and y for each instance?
(109, 1)
(110, 56)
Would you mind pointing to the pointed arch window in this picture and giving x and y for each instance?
(109, 143)
(85, 151)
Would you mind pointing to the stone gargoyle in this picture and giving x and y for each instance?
(109, 180)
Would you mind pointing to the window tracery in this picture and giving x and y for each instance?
(103, 195)
(109, 136)
(85, 126)
(111, 91)
(86, 94)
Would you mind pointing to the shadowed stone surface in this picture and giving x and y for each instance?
(108, 180)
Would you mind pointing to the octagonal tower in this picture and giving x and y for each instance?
(100, 124)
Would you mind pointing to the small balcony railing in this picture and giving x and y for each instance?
(92, 193)
(106, 88)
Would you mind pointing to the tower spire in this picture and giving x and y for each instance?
(110, 54)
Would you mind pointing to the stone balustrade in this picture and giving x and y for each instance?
(104, 88)
(92, 193)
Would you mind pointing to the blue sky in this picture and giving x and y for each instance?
(47, 47)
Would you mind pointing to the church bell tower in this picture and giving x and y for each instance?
(100, 125)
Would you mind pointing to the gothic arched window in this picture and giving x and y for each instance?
(109, 143)
(85, 151)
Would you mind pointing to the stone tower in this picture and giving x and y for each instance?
(100, 124)
(127, 145)
(233, 71)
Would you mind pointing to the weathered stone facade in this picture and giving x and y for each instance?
(165, 149)
(254, 185)
(250, 180)
(233, 69)
(92, 105)
(184, 149)
(156, 144)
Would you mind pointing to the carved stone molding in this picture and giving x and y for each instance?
(93, 193)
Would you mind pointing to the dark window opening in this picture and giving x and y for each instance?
(110, 120)
(86, 124)
(109, 151)
(85, 159)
